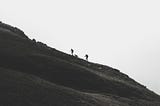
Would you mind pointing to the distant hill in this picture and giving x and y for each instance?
(33, 74)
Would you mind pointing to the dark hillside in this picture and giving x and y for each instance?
(88, 82)
(19, 89)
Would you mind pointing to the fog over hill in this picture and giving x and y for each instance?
(32, 73)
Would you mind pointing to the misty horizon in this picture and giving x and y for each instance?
(122, 34)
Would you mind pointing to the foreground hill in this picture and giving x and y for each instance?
(32, 73)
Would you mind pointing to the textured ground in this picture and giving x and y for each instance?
(33, 74)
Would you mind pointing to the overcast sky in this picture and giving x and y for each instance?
(124, 34)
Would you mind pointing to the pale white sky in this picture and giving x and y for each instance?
(124, 34)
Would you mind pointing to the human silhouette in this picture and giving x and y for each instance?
(72, 51)
(86, 57)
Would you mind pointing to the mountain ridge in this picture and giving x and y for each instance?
(30, 57)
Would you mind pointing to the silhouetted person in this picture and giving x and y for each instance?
(86, 57)
(72, 51)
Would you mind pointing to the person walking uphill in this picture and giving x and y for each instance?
(72, 51)
(86, 57)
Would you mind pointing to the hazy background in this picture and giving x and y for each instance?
(124, 34)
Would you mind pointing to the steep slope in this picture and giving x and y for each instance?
(102, 83)
(19, 89)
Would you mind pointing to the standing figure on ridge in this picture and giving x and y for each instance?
(72, 52)
(86, 57)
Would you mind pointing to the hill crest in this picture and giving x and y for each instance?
(21, 54)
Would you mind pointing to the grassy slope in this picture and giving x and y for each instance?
(24, 55)
(20, 89)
